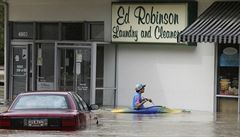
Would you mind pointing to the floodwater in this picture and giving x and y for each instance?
(193, 124)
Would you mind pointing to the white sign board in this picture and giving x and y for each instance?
(45, 86)
(148, 23)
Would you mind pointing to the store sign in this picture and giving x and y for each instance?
(148, 23)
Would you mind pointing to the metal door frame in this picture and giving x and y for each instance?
(74, 69)
(19, 44)
(75, 45)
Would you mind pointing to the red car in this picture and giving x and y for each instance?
(48, 110)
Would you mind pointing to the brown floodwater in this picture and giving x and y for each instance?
(194, 124)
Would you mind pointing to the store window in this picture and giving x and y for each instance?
(96, 31)
(228, 78)
(48, 31)
(45, 66)
(72, 31)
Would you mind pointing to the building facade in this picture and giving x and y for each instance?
(92, 47)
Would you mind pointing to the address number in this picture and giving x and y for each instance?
(23, 34)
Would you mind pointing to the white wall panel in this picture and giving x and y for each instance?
(52, 10)
(176, 76)
(109, 74)
(62, 10)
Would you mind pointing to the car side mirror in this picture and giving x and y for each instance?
(93, 107)
(8, 103)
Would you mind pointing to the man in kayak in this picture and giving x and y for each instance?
(138, 100)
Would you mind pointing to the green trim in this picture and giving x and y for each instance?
(192, 16)
(192, 12)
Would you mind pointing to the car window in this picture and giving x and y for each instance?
(41, 102)
(83, 102)
(79, 104)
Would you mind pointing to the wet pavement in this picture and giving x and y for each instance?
(194, 124)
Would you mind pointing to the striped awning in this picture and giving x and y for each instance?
(220, 23)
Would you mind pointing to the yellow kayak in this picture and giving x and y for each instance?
(149, 110)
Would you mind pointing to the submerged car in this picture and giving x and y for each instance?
(48, 110)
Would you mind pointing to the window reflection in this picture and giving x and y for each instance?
(45, 66)
(41, 101)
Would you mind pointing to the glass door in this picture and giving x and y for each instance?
(75, 71)
(67, 70)
(19, 70)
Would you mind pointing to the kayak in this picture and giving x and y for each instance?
(149, 110)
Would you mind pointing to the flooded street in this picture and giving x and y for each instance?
(194, 124)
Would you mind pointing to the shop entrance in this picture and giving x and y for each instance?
(20, 62)
(65, 66)
(227, 97)
(74, 69)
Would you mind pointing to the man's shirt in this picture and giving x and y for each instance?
(137, 98)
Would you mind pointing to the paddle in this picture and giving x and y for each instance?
(150, 101)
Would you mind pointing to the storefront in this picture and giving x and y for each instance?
(102, 49)
(148, 52)
(54, 56)
(62, 51)
(219, 24)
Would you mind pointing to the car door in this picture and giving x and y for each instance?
(82, 116)
(90, 116)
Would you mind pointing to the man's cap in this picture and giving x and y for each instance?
(139, 86)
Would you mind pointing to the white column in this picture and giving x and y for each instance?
(6, 54)
(55, 66)
(93, 73)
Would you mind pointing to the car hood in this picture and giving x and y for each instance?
(39, 113)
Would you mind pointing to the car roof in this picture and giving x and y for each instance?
(46, 92)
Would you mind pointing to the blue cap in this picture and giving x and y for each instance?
(139, 86)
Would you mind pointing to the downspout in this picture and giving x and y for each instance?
(6, 77)
(116, 77)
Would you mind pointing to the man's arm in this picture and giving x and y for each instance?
(147, 99)
(139, 104)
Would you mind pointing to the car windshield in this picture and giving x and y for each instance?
(41, 102)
